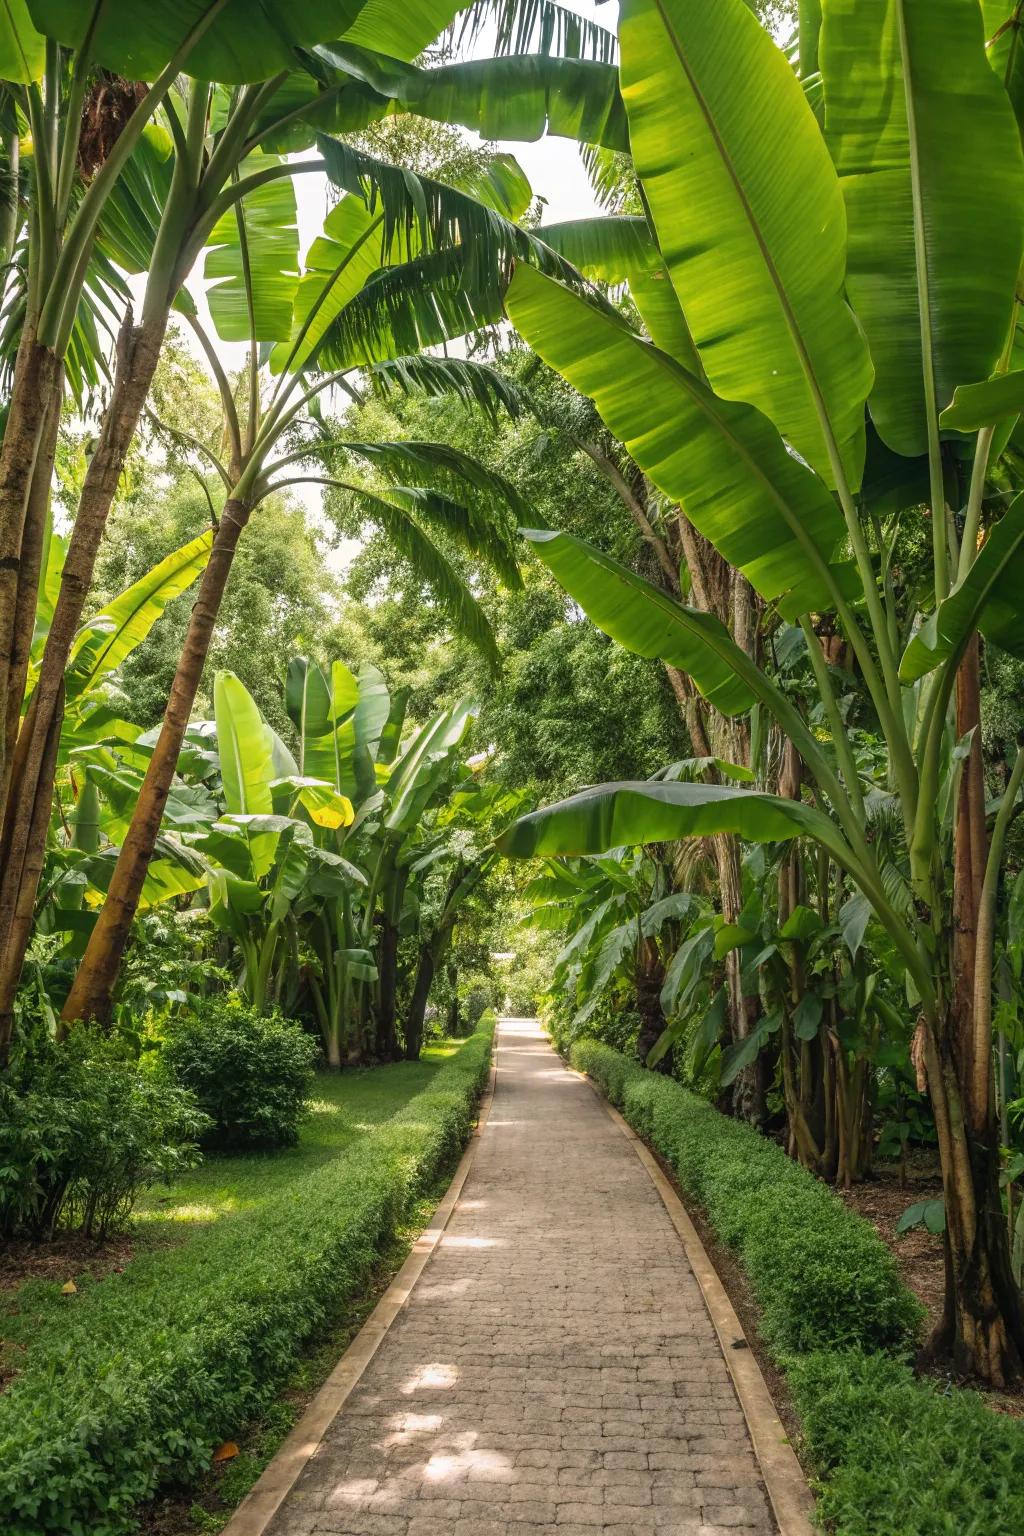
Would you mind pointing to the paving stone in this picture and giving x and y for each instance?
(555, 1370)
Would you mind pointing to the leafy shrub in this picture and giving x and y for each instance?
(613, 1021)
(478, 993)
(144, 1376)
(251, 1074)
(82, 1132)
(822, 1275)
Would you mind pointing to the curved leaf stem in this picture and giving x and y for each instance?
(982, 1024)
(840, 738)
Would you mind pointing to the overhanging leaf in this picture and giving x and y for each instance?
(929, 157)
(749, 218)
(631, 813)
(765, 512)
(644, 619)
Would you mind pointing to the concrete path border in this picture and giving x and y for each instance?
(279, 1476)
(791, 1499)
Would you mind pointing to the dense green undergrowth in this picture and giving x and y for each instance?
(140, 1375)
(896, 1455)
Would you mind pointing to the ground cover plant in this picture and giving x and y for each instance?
(141, 1375)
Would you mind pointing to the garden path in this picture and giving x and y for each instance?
(555, 1369)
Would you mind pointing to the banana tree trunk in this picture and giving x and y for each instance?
(33, 766)
(387, 994)
(982, 1326)
(23, 915)
(416, 1017)
(35, 391)
(91, 992)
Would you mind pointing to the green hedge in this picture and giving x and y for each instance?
(145, 1376)
(894, 1453)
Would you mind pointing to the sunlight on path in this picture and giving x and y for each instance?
(555, 1369)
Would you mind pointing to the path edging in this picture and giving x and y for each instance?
(279, 1476)
(790, 1498)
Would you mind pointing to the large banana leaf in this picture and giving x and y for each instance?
(423, 763)
(112, 634)
(518, 98)
(245, 746)
(373, 709)
(620, 249)
(749, 217)
(308, 702)
(22, 48)
(632, 813)
(765, 512)
(989, 598)
(984, 404)
(645, 620)
(929, 155)
(243, 41)
(401, 30)
(253, 260)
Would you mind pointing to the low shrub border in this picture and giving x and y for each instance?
(894, 1454)
(147, 1376)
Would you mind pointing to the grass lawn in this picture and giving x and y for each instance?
(346, 1109)
(135, 1378)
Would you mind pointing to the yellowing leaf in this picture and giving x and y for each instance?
(69, 1288)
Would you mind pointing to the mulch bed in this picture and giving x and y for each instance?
(882, 1199)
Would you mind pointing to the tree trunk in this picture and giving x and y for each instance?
(31, 781)
(92, 989)
(982, 1326)
(27, 597)
(20, 931)
(36, 388)
(387, 996)
(652, 1020)
(417, 1015)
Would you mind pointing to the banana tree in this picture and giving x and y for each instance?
(817, 273)
(452, 875)
(263, 861)
(621, 918)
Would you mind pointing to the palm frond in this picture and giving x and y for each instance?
(516, 97)
(537, 26)
(419, 212)
(431, 567)
(486, 537)
(439, 297)
(439, 464)
(475, 384)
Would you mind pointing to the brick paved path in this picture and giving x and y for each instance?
(555, 1369)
